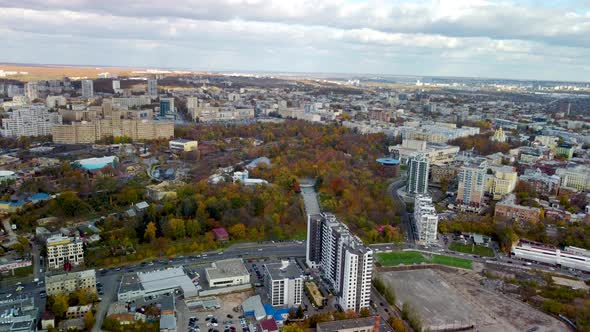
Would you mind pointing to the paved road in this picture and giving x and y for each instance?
(406, 222)
(110, 286)
(11, 234)
(310, 199)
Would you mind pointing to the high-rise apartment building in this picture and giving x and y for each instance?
(342, 259)
(116, 86)
(152, 87)
(34, 120)
(471, 184)
(32, 90)
(418, 167)
(62, 250)
(87, 89)
(284, 283)
(426, 219)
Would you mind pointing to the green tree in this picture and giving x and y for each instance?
(22, 246)
(299, 314)
(69, 204)
(193, 228)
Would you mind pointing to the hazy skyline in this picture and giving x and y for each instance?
(507, 39)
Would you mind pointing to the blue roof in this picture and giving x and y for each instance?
(276, 313)
(388, 161)
(39, 197)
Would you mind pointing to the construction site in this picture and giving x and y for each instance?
(451, 299)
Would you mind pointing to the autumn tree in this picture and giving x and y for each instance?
(59, 305)
(293, 328)
(89, 320)
(150, 231)
(237, 231)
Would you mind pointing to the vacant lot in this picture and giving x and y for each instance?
(472, 249)
(456, 299)
(413, 257)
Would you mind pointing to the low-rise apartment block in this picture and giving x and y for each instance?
(70, 282)
(508, 209)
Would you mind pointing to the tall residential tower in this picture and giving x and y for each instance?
(418, 174)
(342, 259)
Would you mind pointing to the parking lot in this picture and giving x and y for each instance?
(223, 319)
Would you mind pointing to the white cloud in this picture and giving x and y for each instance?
(304, 34)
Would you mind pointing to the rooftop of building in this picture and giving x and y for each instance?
(57, 240)
(226, 268)
(283, 270)
(510, 200)
(338, 325)
(70, 275)
(166, 279)
(129, 283)
(182, 140)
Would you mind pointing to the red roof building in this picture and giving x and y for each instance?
(269, 325)
(220, 234)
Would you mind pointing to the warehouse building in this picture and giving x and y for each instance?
(228, 272)
(155, 283)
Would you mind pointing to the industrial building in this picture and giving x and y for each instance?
(569, 257)
(342, 258)
(155, 283)
(284, 283)
(227, 272)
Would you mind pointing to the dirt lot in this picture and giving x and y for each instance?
(456, 299)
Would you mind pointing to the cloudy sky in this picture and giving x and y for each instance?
(482, 38)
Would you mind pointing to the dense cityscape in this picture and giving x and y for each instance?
(296, 166)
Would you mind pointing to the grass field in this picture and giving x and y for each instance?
(413, 257)
(451, 261)
(472, 249)
(400, 257)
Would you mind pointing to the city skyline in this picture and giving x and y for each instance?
(512, 40)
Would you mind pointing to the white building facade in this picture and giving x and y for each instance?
(342, 259)
(62, 249)
(87, 89)
(35, 120)
(426, 219)
(284, 284)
